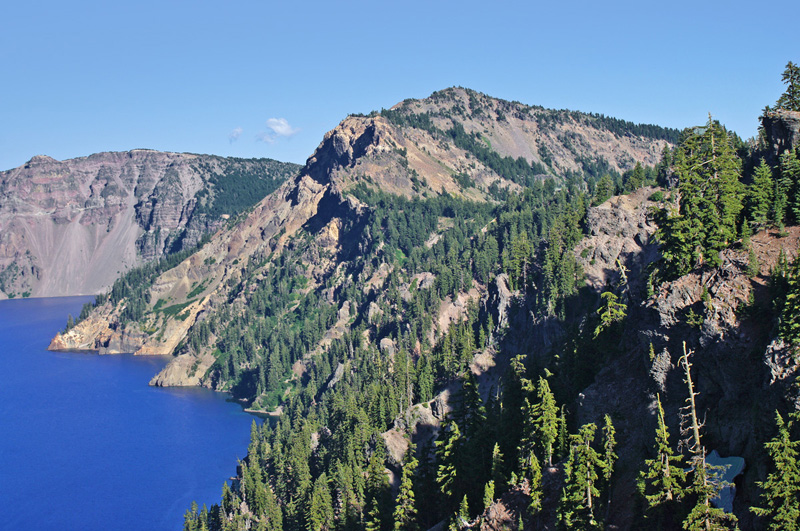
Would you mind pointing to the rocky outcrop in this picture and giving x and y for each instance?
(620, 241)
(389, 153)
(782, 130)
(185, 370)
(72, 227)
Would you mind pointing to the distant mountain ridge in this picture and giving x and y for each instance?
(72, 227)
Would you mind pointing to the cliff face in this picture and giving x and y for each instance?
(782, 129)
(722, 315)
(71, 227)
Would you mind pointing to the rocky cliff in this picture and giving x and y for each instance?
(782, 129)
(72, 227)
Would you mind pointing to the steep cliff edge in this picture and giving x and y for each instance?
(72, 227)
(782, 129)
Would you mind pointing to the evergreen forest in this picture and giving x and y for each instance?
(499, 418)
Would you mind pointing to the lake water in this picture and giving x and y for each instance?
(85, 443)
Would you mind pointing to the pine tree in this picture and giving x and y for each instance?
(462, 517)
(760, 195)
(604, 189)
(710, 201)
(545, 420)
(661, 483)
(488, 494)
(705, 484)
(609, 457)
(790, 176)
(377, 486)
(191, 519)
(790, 99)
(405, 511)
(273, 512)
(781, 490)
(577, 507)
(562, 442)
(610, 311)
(320, 510)
(747, 233)
(753, 266)
(498, 475)
(448, 446)
(373, 520)
(535, 484)
(789, 328)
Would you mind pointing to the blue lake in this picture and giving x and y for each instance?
(85, 443)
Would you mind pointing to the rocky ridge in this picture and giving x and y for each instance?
(373, 151)
(782, 129)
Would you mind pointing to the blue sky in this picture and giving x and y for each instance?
(268, 79)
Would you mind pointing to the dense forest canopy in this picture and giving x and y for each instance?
(321, 466)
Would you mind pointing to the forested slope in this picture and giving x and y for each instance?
(424, 284)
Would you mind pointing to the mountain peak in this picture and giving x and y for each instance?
(40, 159)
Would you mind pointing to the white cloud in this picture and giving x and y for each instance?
(234, 135)
(278, 127)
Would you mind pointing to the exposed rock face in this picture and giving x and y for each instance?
(397, 158)
(185, 370)
(741, 375)
(72, 227)
(620, 240)
(782, 130)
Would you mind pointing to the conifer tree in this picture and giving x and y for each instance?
(373, 519)
(790, 175)
(747, 233)
(488, 494)
(781, 490)
(609, 457)
(405, 511)
(710, 200)
(789, 328)
(448, 446)
(760, 195)
(579, 499)
(610, 311)
(460, 520)
(320, 510)
(273, 512)
(377, 486)
(545, 420)
(498, 475)
(705, 484)
(191, 520)
(790, 99)
(603, 190)
(535, 483)
(661, 482)
(562, 442)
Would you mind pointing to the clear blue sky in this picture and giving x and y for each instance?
(267, 78)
